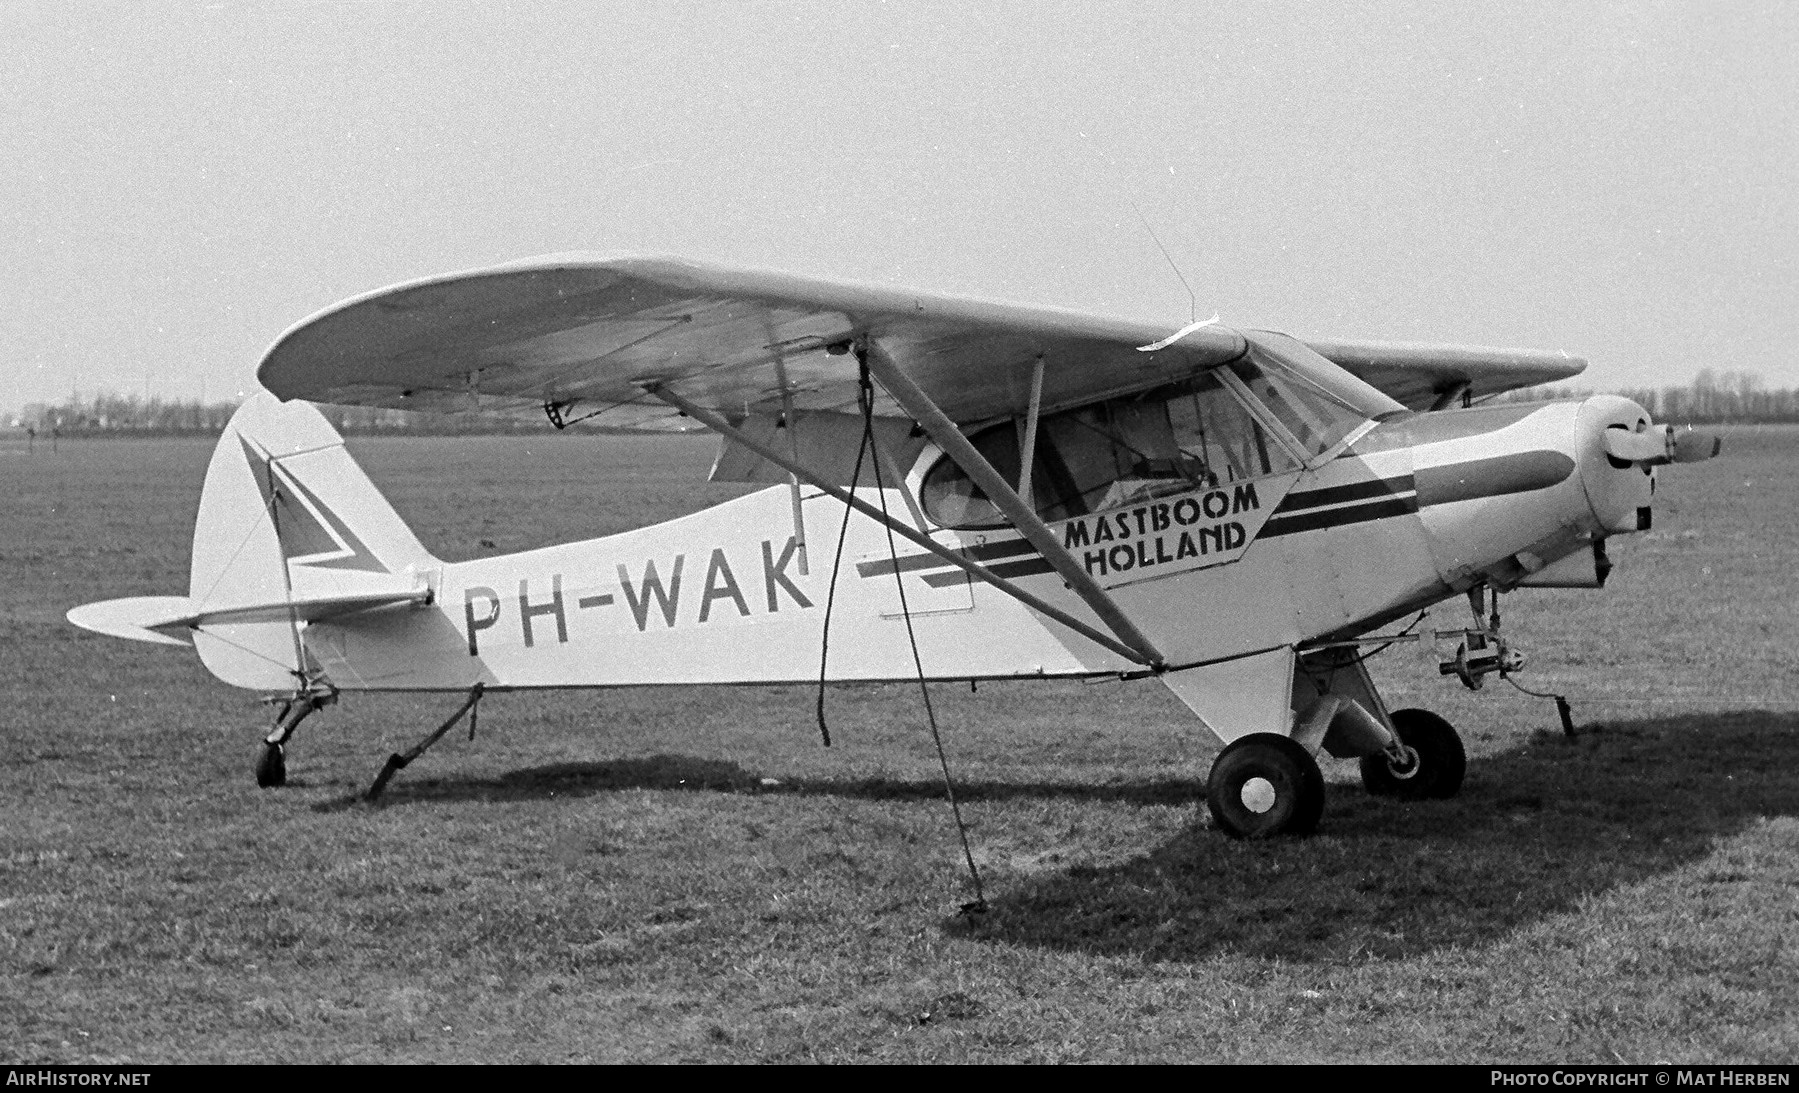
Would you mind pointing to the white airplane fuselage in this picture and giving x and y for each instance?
(1411, 512)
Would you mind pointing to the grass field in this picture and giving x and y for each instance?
(688, 875)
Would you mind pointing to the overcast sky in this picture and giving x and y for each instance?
(182, 181)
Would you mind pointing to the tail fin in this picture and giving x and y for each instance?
(287, 516)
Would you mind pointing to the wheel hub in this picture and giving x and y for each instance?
(1264, 785)
(1403, 765)
(1258, 795)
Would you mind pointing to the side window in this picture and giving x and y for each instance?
(1166, 441)
(952, 499)
(1220, 438)
(1190, 436)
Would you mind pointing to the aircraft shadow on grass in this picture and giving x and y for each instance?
(1533, 832)
(695, 773)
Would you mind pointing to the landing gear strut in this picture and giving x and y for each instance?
(271, 760)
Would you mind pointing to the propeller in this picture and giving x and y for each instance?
(1654, 445)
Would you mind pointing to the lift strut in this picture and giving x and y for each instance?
(718, 424)
(938, 426)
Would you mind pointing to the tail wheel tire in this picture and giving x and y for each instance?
(271, 766)
(1264, 785)
(1441, 760)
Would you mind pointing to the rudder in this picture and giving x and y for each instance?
(285, 513)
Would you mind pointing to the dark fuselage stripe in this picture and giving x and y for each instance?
(1402, 495)
(1519, 472)
(1024, 567)
(1336, 495)
(1329, 518)
(907, 563)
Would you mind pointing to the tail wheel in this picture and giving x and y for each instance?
(1440, 766)
(271, 766)
(1264, 785)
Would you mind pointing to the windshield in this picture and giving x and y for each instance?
(1312, 398)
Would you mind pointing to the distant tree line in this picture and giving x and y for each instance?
(1713, 398)
(108, 414)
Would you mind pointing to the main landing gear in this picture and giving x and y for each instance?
(1264, 785)
(1269, 784)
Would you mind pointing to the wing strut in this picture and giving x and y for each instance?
(773, 455)
(792, 426)
(1027, 452)
(941, 429)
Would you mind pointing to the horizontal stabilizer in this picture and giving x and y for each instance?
(161, 618)
(136, 618)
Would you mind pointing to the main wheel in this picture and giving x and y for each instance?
(1440, 766)
(271, 766)
(1264, 785)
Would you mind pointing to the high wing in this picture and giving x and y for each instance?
(1424, 376)
(587, 337)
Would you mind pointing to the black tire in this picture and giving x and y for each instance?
(271, 766)
(1441, 760)
(1275, 768)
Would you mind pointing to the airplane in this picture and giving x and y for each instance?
(977, 491)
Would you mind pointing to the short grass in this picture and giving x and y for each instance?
(687, 875)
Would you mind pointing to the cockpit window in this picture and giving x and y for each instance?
(1304, 365)
(1313, 400)
(1196, 434)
